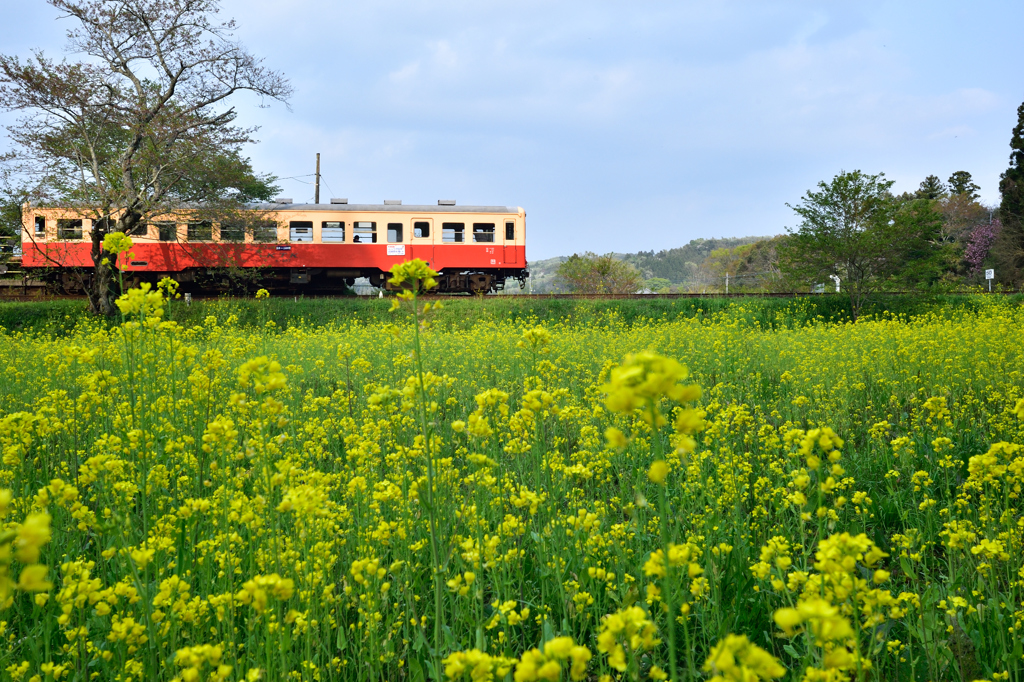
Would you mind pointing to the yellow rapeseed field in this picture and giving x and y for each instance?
(676, 498)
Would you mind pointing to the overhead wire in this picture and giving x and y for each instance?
(325, 183)
(306, 182)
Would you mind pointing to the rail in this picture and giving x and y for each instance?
(22, 289)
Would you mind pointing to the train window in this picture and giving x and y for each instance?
(264, 233)
(40, 225)
(364, 233)
(232, 232)
(201, 231)
(332, 232)
(167, 232)
(483, 232)
(510, 231)
(301, 230)
(394, 232)
(69, 229)
(453, 232)
(421, 230)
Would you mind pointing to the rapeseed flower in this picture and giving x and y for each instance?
(194, 517)
(736, 658)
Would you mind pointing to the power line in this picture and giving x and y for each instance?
(328, 186)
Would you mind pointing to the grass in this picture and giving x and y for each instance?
(61, 316)
(327, 490)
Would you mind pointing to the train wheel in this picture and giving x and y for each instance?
(479, 283)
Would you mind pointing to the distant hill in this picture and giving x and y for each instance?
(680, 266)
(542, 274)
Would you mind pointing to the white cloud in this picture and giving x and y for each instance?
(677, 118)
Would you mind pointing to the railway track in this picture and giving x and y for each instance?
(15, 291)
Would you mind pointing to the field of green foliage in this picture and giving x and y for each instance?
(275, 490)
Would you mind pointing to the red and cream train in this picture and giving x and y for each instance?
(297, 247)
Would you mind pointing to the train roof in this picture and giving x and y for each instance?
(397, 208)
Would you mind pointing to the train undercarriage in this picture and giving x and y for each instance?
(291, 281)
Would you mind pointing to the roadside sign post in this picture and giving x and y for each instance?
(990, 275)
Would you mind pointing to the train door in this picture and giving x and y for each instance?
(423, 239)
(510, 243)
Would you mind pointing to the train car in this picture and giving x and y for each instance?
(295, 247)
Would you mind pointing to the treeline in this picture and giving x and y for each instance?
(854, 235)
(964, 241)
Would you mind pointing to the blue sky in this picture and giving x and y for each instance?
(620, 126)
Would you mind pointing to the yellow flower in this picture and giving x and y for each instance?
(630, 628)
(1018, 409)
(142, 302)
(117, 243)
(263, 374)
(536, 338)
(33, 579)
(737, 658)
(658, 471)
(642, 380)
(476, 665)
(142, 557)
(537, 665)
(168, 287)
(32, 535)
(615, 438)
(824, 620)
(413, 274)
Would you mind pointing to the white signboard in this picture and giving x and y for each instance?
(396, 249)
(990, 274)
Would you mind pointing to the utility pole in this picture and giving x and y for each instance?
(316, 193)
(727, 284)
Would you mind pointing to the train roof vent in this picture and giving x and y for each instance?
(446, 202)
(392, 202)
(283, 200)
(336, 200)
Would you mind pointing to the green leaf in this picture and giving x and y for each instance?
(549, 634)
(416, 670)
(342, 639)
(907, 567)
(419, 642)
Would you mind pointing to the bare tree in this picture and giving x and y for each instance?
(131, 131)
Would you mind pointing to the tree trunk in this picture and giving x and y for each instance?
(856, 302)
(99, 289)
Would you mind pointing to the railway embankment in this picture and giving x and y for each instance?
(60, 315)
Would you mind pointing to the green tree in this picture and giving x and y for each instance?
(931, 188)
(12, 199)
(853, 228)
(961, 183)
(1008, 250)
(10, 225)
(592, 274)
(140, 126)
(658, 285)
